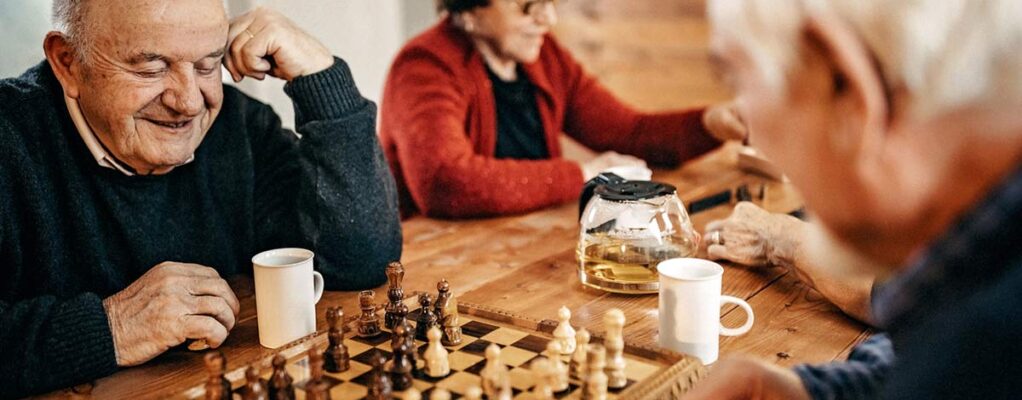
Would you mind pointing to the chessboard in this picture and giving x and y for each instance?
(651, 373)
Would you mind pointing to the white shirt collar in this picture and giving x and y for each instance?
(103, 158)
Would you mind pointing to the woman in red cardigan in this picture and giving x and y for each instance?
(473, 107)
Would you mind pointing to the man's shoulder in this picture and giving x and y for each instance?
(27, 108)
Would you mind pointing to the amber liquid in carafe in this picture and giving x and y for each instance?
(628, 265)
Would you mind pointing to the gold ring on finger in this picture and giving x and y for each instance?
(250, 35)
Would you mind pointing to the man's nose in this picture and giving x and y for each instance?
(182, 93)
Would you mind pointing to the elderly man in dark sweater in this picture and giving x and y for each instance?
(132, 180)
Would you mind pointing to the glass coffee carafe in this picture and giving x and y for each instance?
(628, 227)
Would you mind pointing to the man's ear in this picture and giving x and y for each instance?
(858, 87)
(65, 64)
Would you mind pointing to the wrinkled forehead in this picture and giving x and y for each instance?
(174, 28)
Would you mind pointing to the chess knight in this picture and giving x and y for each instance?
(447, 311)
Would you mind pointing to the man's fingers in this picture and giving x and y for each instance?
(215, 287)
(215, 307)
(254, 51)
(205, 328)
(717, 252)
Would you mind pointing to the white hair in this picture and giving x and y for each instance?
(69, 19)
(945, 53)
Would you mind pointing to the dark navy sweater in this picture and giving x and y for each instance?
(73, 232)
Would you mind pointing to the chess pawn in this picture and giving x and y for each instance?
(368, 322)
(336, 354)
(495, 377)
(400, 369)
(578, 358)
(427, 317)
(614, 322)
(412, 394)
(541, 376)
(595, 385)
(217, 387)
(379, 384)
(255, 388)
(395, 293)
(564, 333)
(437, 363)
(446, 308)
(315, 387)
(281, 386)
(440, 394)
(559, 371)
(409, 336)
(474, 393)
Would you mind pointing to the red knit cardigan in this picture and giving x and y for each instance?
(438, 129)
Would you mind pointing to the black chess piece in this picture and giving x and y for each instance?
(395, 293)
(255, 387)
(427, 317)
(379, 385)
(281, 386)
(447, 314)
(217, 387)
(336, 354)
(316, 388)
(409, 336)
(369, 321)
(400, 369)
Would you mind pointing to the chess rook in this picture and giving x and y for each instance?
(369, 321)
(336, 355)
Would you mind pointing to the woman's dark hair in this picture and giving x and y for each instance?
(456, 6)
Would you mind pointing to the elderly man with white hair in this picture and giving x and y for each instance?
(900, 121)
(133, 181)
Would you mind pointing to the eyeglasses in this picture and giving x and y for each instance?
(534, 7)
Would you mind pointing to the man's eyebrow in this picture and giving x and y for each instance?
(146, 56)
(216, 54)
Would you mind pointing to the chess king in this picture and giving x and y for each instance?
(133, 181)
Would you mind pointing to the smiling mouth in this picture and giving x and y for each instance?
(174, 125)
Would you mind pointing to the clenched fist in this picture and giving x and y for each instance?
(755, 237)
(171, 303)
(263, 41)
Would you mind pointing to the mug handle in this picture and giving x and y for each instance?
(317, 286)
(748, 321)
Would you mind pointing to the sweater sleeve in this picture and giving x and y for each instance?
(48, 344)
(597, 119)
(426, 111)
(861, 377)
(332, 187)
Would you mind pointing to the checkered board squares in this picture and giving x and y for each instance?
(518, 348)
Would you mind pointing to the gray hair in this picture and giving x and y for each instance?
(946, 53)
(69, 19)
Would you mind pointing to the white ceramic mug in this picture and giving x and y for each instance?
(287, 290)
(631, 172)
(690, 303)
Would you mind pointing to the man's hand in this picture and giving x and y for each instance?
(752, 236)
(724, 122)
(263, 41)
(172, 302)
(748, 379)
(606, 160)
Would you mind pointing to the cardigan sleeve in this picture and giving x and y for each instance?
(597, 119)
(425, 111)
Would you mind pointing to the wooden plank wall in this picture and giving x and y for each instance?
(651, 53)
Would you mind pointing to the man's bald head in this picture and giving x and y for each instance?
(72, 18)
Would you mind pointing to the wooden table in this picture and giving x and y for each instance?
(526, 264)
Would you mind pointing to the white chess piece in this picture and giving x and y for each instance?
(495, 377)
(559, 381)
(440, 393)
(474, 393)
(564, 333)
(614, 323)
(412, 394)
(595, 385)
(437, 363)
(578, 359)
(541, 373)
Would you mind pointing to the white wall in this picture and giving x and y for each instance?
(366, 33)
